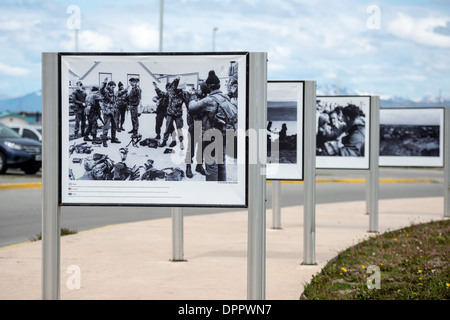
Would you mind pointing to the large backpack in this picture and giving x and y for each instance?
(226, 112)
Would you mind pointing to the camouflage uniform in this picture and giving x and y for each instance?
(109, 109)
(79, 99)
(174, 113)
(93, 114)
(134, 99)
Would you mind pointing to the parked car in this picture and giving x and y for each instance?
(19, 152)
(29, 131)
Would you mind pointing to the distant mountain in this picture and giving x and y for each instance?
(32, 102)
(425, 102)
(386, 102)
(29, 103)
(332, 90)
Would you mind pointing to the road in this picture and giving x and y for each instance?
(20, 214)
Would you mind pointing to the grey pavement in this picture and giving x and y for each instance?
(132, 261)
(15, 178)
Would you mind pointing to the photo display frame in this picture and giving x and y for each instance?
(285, 114)
(411, 137)
(343, 132)
(127, 152)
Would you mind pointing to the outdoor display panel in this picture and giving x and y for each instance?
(412, 137)
(128, 151)
(285, 103)
(343, 132)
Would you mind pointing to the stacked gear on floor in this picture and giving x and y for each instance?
(152, 173)
(80, 148)
(150, 142)
(135, 138)
(98, 167)
(101, 167)
(123, 172)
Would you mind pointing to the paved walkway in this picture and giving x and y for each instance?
(133, 260)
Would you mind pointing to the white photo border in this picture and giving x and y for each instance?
(156, 193)
(295, 92)
(349, 162)
(414, 161)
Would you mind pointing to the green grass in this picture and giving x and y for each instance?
(64, 232)
(413, 264)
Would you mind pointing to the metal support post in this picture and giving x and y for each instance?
(368, 184)
(50, 207)
(373, 176)
(276, 204)
(447, 162)
(177, 234)
(257, 118)
(309, 214)
(161, 24)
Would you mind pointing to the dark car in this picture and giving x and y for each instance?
(18, 152)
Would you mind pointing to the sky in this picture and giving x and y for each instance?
(392, 49)
(412, 116)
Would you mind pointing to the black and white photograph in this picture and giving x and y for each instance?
(411, 137)
(342, 132)
(154, 129)
(285, 100)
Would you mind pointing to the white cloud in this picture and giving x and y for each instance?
(87, 41)
(144, 36)
(11, 25)
(420, 30)
(275, 66)
(413, 77)
(327, 41)
(94, 41)
(12, 71)
(20, 24)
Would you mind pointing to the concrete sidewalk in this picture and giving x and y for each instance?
(132, 260)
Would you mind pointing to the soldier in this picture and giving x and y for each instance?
(233, 80)
(161, 109)
(109, 109)
(79, 99)
(93, 114)
(122, 105)
(174, 113)
(194, 121)
(207, 107)
(134, 99)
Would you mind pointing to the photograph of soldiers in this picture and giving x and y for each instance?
(340, 131)
(151, 122)
(171, 147)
